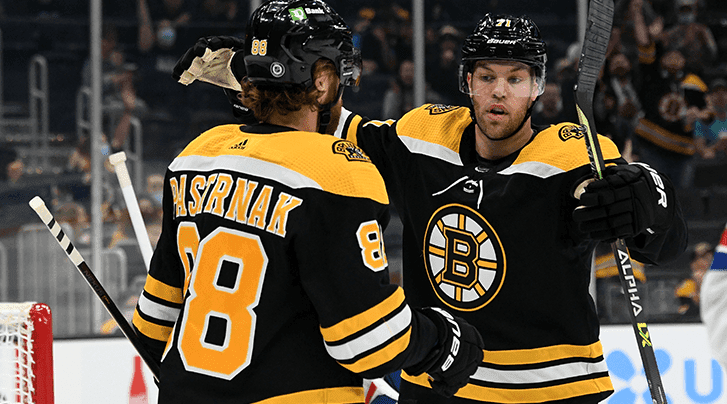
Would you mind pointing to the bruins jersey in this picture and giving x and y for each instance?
(665, 101)
(269, 283)
(495, 242)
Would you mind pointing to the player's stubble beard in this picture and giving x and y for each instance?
(498, 131)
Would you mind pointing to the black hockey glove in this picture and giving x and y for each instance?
(630, 199)
(456, 356)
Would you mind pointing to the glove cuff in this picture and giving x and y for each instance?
(437, 354)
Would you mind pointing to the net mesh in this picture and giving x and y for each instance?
(16, 353)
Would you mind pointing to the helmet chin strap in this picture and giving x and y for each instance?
(324, 113)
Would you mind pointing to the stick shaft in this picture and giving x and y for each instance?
(118, 160)
(65, 242)
(593, 55)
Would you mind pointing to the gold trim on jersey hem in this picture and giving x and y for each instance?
(545, 354)
(524, 396)
(334, 395)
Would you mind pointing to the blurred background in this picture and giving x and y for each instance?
(46, 122)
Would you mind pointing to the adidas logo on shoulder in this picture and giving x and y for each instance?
(240, 146)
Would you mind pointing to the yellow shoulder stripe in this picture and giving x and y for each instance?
(363, 320)
(337, 166)
(438, 124)
(561, 146)
(163, 291)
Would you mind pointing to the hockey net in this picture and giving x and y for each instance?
(26, 353)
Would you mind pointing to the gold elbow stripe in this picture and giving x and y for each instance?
(163, 291)
(151, 330)
(361, 321)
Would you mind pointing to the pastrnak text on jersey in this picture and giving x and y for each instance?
(209, 194)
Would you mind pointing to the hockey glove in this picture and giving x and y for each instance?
(628, 200)
(212, 59)
(456, 356)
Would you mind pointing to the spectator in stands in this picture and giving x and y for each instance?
(549, 109)
(710, 136)
(443, 71)
(623, 35)
(399, 97)
(74, 219)
(225, 11)
(566, 71)
(120, 102)
(80, 162)
(672, 100)
(693, 38)
(155, 186)
(620, 100)
(13, 167)
(378, 42)
(688, 291)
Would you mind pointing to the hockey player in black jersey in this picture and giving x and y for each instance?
(500, 222)
(269, 283)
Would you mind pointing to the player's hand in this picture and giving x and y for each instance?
(630, 199)
(212, 60)
(456, 357)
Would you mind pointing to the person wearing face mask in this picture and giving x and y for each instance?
(710, 136)
(693, 37)
(672, 100)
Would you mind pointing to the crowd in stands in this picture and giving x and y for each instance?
(662, 95)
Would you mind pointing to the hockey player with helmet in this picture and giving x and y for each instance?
(269, 283)
(501, 219)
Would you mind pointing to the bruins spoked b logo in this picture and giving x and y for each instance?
(464, 258)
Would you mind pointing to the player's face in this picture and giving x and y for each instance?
(501, 92)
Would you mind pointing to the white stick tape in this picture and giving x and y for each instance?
(118, 160)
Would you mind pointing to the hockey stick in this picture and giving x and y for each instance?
(118, 160)
(65, 242)
(593, 55)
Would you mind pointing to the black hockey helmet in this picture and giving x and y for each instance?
(285, 38)
(504, 37)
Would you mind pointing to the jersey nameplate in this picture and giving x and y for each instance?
(234, 199)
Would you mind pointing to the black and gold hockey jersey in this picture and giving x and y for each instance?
(495, 242)
(269, 283)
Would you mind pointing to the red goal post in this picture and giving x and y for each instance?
(26, 353)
